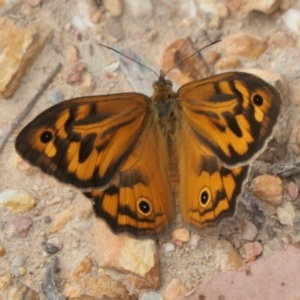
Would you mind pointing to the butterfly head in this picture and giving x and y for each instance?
(162, 81)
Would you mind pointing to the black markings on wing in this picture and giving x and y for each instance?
(86, 147)
(232, 123)
(211, 166)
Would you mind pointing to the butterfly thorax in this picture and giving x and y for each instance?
(165, 106)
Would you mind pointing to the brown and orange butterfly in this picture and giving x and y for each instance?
(118, 148)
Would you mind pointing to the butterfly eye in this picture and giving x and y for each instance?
(204, 197)
(258, 100)
(46, 137)
(144, 207)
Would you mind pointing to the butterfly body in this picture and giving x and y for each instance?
(118, 149)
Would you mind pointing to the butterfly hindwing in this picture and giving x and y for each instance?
(139, 200)
(207, 189)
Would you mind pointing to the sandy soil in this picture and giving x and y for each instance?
(148, 37)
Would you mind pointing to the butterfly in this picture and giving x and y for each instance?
(118, 149)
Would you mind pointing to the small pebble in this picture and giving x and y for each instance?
(83, 207)
(74, 77)
(72, 54)
(291, 19)
(20, 223)
(151, 296)
(88, 84)
(268, 188)
(76, 74)
(249, 231)
(47, 219)
(61, 220)
(18, 260)
(258, 218)
(253, 250)
(194, 241)
(50, 248)
(115, 7)
(174, 290)
(55, 97)
(227, 257)
(215, 22)
(286, 214)
(181, 234)
(96, 16)
(178, 243)
(169, 247)
(17, 202)
(288, 206)
(22, 271)
(222, 10)
(265, 6)
(84, 268)
(293, 190)
(112, 67)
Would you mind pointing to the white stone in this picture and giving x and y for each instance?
(285, 215)
(151, 296)
(195, 239)
(249, 231)
(169, 247)
(291, 19)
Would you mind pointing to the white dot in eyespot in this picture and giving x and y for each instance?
(204, 197)
(144, 206)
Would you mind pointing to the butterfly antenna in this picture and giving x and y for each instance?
(112, 49)
(192, 55)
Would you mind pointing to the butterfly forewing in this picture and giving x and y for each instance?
(84, 141)
(233, 114)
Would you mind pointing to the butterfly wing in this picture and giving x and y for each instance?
(227, 120)
(139, 200)
(233, 114)
(84, 141)
(207, 189)
(107, 146)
